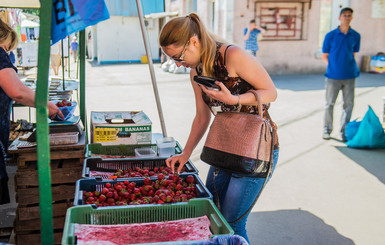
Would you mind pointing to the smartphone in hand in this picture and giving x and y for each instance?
(208, 82)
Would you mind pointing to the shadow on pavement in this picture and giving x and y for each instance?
(372, 160)
(292, 227)
(317, 81)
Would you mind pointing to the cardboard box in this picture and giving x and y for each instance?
(120, 127)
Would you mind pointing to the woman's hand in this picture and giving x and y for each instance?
(53, 110)
(223, 95)
(180, 158)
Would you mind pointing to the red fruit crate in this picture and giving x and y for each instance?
(107, 167)
(97, 184)
(88, 214)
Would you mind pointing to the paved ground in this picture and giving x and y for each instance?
(321, 192)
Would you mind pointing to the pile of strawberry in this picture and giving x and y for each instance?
(144, 172)
(63, 103)
(171, 190)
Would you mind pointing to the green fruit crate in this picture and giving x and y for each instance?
(121, 150)
(89, 214)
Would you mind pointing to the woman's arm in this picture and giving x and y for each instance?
(199, 126)
(239, 63)
(16, 90)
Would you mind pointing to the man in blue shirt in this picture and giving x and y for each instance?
(339, 50)
(250, 35)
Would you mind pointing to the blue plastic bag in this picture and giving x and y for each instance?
(351, 129)
(70, 16)
(370, 133)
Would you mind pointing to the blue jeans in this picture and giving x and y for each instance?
(333, 86)
(236, 194)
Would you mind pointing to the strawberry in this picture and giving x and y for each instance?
(69, 104)
(110, 200)
(108, 185)
(137, 192)
(118, 174)
(147, 188)
(190, 179)
(104, 190)
(118, 187)
(155, 198)
(179, 187)
(168, 199)
(102, 198)
(132, 197)
(116, 196)
(126, 182)
(147, 181)
(126, 195)
(110, 194)
(155, 169)
(162, 197)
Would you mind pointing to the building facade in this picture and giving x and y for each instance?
(295, 28)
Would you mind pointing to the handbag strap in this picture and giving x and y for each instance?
(259, 102)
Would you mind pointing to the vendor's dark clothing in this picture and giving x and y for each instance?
(5, 109)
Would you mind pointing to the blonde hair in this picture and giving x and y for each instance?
(178, 31)
(8, 36)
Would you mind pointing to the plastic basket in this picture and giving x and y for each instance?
(112, 165)
(89, 214)
(68, 111)
(94, 184)
(121, 150)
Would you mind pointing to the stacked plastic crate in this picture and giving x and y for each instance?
(138, 189)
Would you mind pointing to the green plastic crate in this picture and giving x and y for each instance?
(121, 150)
(89, 214)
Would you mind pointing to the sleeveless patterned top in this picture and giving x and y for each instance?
(236, 85)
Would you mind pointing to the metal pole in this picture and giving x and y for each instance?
(69, 58)
(82, 78)
(151, 67)
(43, 151)
(62, 63)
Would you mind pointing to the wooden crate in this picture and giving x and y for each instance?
(63, 171)
(35, 225)
(25, 159)
(31, 213)
(33, 238)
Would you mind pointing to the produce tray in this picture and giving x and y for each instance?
(96, 184)
(112, 165)
(89, 214)
(121, 150)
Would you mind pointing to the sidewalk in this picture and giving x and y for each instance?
(321, 192)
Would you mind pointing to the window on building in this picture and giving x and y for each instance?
(283, 20)
(191, 6)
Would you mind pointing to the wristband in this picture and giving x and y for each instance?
(239, 100)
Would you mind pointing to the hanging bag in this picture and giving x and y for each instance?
(240, 143)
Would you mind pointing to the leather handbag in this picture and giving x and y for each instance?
(240, 143)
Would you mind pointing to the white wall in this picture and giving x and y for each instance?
(119, 39)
